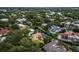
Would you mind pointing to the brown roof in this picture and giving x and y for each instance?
(3, 31)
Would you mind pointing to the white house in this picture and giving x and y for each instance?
(59, 13)
(67, 24)
(76, 23)
(31, 31)
(52, 13)
(21, 26)
(4, 19)
(21, 20)
(2, 39)
(52, 19)
(44, 24)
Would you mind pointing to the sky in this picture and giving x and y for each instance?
(39, 3)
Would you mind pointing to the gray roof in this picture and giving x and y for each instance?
(54, 28)
(53, 47)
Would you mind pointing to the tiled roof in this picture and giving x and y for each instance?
(3, 31)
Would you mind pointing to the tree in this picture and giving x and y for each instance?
(14, 36)
(4, 24)
(47, 39)
(25, 42)
(14, 27)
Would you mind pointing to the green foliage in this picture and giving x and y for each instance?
(25, 42)
(14, 27)
(6, 24)
(47, 39)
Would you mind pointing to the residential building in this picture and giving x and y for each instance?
(76, 23)
(69, 36)
(21, 20)
(54, 29)
(4, 19)
(21, 26)
(37, 36)
(2, 33)
(53, 47)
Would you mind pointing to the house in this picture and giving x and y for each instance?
(65, 36)
(2, 33)
(47, 16)
(76, 23)
(54, 29)
(76, 35)
(4, 19)
(2, 39)
(65, 17)
(52, 13)
(59, 13)
(21, 20)
(3, 10)
(37, 37)
(31, 32)
(52, 19)
(53, 47)
(21, 26)
(13, 14)
(44, 24)
(69, 36)
(66, 24)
